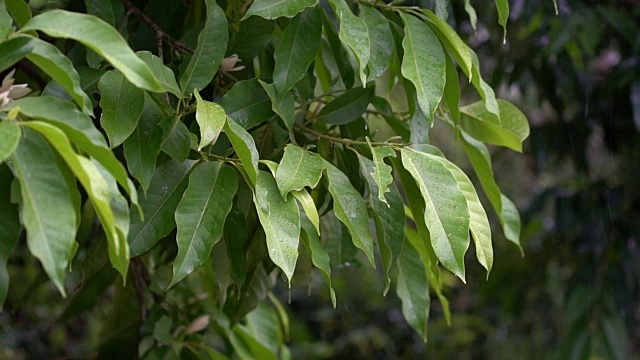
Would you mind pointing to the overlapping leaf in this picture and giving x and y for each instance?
(9, 228)
(211, 119)
(122, 105)
(380, 41)
(298, 169)
(9, 139)
(273, 9)
(247, 103)
(163, 74)
(413, 290)
(354, 33)
(347, 107)
(509, 130)
(245, 147)
(283, 105)
(319, 256)
(176, 140)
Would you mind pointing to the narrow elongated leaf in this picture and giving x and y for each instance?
(319, 256)
(446, 212)
(164, 194)
(163, 74)
(351, 210)
(6, 22)
(283, 105)
(510, 218)
(306, 202)
(9, 228)
(9, 139)
(280, 220)
(121, 104)
(380, 41)
(503, 16)
(176, 140)
(298, 168)
(247, 103)
(201, 214)
(46, 205)
(13, 49)
(245, 147)
(452, 91)
(208, 55)
(509, 130)
(99, 37)
(19, 10)
(381, 173)
(471, 11)
(347, 107)
(211, 119)
(273, 9)
(423, 64)
(413, 290)
(354, 33)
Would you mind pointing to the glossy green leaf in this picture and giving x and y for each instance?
(319, 256)
(298, 169)
(471, 11)
(509, 130)
(297, 49)
(452, 91)
(273, 9)
(247, 103)
(423, 64)
(211, 119)
(164, 194)
(380, 40)
(176, 141)
(9, 228)
(347, 107)
(13, 50)
(201, 214)
(46, 206)
(208, 55)
(306, 202)
(510, 219)
(252, 38)
(163, 74)
(9, 139)
(99, 37)
(19, 10)
(245, 147)
(280, 220)
(353, 33)
(283, 105)
(503, 16)
(446, 212)
(351, 210)
(413, 289)
(121, 104)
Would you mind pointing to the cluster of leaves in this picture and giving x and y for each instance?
(221, 192)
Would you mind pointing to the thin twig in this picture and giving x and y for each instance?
(346, 141)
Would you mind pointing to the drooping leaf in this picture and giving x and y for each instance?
(509, 130)
(247, 103)
(283, 105)
(280, 220)
(510, 218)
(446, 212)
(347, 107)
(350, 209)
(353, 33)
(441, 9)
(297, 49)
(413, 289)
(9, 228)
(471, 11)
(99, 37)
(319, 256)
(245, 147)
(306, 202)
(211, 119)
(163, 74)
(13, 49)
(201, 214)
(423, 64)
(452, 91)
(503, 16)
(164, 194)
(380, 40)
(208, 55)
(273, 9)
(9, 139)
(381, 173)
(46, 205)
(298, 169)
(121, 104)
(176, 140)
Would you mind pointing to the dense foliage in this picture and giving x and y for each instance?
(174, 155)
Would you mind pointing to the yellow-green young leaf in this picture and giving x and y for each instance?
(319, 256)
(247, 103)
(503, 16)
(163, 74)
(121, 104)
(245, 147)
(347, 107)
(446, 212)
(380, 41)
(176, 141)
(473, 17)
(9, 228)
(283, 105)
(159, 206)
(208, 55)
(273, 9)
(211, 119)
(297, 49)
(201, 214)
(9, 138)
(99, 37)
(509, 130)
(413, 289)
(381, 173)
(306, 201)
(354, 33)
(280, 220)
(19, 10)
(423, 64)
(351, 210)
(298, 168)
(48, 214)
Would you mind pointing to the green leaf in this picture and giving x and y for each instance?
(446, 212)
(441, 9)
(201, 214)
(6, 22)
(176, 140)
(164, 194)
(473, 17)
(297, 49)
(353, 33)
(273, 9)
(319, 256)
(280, 220)
(9, 139)
(509, 130)
(351, 210)
(347, 107)
(452, 91)
(283, 105)
(298, 168)
(380, 39)
(13, 49)
(247, 103)
(306, 201)
(9, 228)
(208, 55)
(413, 290)
(99, 37)
(381, 173)
(19, 10)
(163, 74)
(245, 147)
(121, 104)
(252, 38)
(423, 64)
(211, 119)
(510, 219)
(503, 16)
(48, 214)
